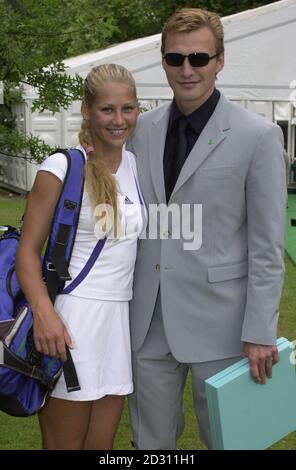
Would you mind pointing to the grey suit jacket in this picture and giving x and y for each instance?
(228, 290)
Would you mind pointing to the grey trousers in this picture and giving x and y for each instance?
(155, 407)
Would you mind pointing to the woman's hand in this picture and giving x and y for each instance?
(50, 334)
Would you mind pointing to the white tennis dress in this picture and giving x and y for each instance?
(96, 312)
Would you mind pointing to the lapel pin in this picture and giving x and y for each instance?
(210, 142)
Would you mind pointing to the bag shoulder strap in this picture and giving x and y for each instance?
(65, 220)
(61, 240)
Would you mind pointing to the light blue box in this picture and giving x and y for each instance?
(246, 415)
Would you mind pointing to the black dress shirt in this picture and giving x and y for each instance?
(196, 122)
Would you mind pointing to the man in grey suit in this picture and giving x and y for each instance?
(200, 307)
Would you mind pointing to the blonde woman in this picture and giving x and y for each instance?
(92, 320)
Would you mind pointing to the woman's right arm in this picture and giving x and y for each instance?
(50, 334)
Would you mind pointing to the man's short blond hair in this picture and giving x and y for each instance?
(191, 19)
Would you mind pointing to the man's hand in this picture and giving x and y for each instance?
(261, 359)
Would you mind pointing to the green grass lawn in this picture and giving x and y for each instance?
(23, 433)
(11, 209)
(290, 241)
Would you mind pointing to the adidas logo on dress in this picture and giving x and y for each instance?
(127, 200)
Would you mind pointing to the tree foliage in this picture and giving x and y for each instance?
(140, 18)
(36, 36)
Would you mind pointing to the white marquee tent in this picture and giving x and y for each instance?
(259, 73)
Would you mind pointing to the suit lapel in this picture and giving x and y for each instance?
(157, 139)
(212, 135)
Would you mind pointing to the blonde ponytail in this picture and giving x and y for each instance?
(100, 184)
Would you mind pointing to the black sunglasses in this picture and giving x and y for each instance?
(196, 59)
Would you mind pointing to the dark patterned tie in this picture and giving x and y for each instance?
(182, 145)
(180, 155)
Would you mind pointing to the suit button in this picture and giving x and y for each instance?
(157, 267)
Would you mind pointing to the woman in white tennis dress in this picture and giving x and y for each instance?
(93, 319)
